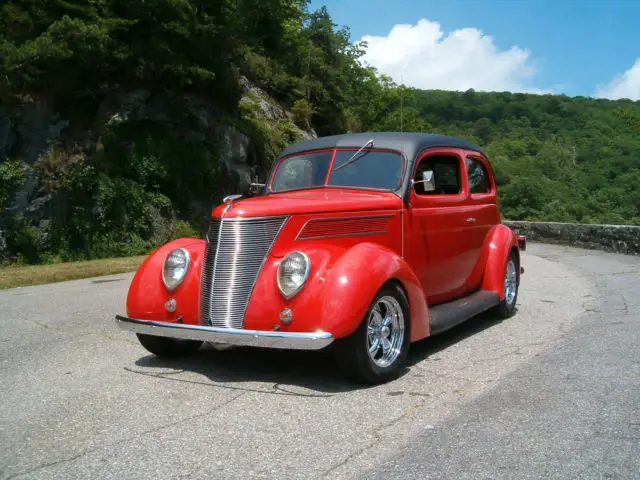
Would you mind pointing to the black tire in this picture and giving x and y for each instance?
(168, 347)
(507, 308)
(353, 351)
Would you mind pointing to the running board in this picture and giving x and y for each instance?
(447, 315)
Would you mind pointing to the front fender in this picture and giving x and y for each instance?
(354, 281)
(147, 292)
(341, 285)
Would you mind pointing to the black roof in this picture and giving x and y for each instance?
(411, 143)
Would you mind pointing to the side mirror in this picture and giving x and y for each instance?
(256, 187)
(253, 189)
(427, 181)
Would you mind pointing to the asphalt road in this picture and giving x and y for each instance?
(552, 393)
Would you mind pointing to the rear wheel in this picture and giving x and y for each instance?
(168, 347)
(375, 352)
(507, 308)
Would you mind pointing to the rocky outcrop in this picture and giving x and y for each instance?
(26, 134)
(611, 238)
(263, 106)
(34, 133)
(233, 155)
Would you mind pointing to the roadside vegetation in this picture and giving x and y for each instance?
(23, 275)
(557, 158)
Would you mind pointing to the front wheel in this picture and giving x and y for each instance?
(375, 352)
(507, 308)
(168, 347)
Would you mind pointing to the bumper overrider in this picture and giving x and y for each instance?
(228, 336)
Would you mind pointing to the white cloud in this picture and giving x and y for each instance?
(466, 58)
(626, 85)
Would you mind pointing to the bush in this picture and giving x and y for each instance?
(119, 244)
(183, 229)
(302, 112)
(23, 240)
(58, 169)
(12, 176)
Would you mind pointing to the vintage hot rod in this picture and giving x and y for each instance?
(360, 243)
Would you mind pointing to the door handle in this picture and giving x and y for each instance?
(471, 220)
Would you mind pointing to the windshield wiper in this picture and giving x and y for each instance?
(353, 157)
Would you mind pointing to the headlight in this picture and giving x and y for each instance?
(292, 273)
(175, 268)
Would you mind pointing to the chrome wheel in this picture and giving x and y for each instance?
(385, 331)
(510, 282)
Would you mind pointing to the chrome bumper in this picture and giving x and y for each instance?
(229, 336)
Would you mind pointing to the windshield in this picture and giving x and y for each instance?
(302, 171)
(369, 169)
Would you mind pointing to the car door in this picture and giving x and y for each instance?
(482, 211)
(438, 246)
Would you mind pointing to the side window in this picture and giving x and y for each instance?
(478, 177)
(438, 175)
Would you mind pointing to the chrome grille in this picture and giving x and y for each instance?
(236, 249)
(206, 281)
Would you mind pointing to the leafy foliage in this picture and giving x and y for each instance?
(12, 175)
(161, 44)
(302, 111)
(556, 158)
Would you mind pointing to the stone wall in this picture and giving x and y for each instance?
(611, 238)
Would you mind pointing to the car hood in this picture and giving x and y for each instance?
(322, 200)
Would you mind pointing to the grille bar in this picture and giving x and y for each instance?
(206, 282)
(235, 252)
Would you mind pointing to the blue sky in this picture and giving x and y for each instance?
(586, 47)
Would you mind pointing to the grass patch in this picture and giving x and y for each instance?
(25, 275)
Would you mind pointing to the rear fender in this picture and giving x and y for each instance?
(148, 294)
(498, 246)
(353, 282)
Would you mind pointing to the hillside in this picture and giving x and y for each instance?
(556, 158)
(122, 122)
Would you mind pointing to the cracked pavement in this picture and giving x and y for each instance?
(553, 392)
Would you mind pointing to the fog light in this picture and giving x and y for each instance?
(286, 316)
(170, 305)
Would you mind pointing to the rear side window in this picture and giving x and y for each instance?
(478, 177)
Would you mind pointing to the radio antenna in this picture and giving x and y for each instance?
(404, 160)
(401, 103)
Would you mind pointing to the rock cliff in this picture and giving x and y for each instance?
(42, 154)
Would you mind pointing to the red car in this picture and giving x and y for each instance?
(362, 243)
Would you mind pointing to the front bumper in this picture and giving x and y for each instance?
(229, 336)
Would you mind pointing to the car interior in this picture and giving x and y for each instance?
(445, 179)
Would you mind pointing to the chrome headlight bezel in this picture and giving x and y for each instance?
(285, 291)
(174, 282)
